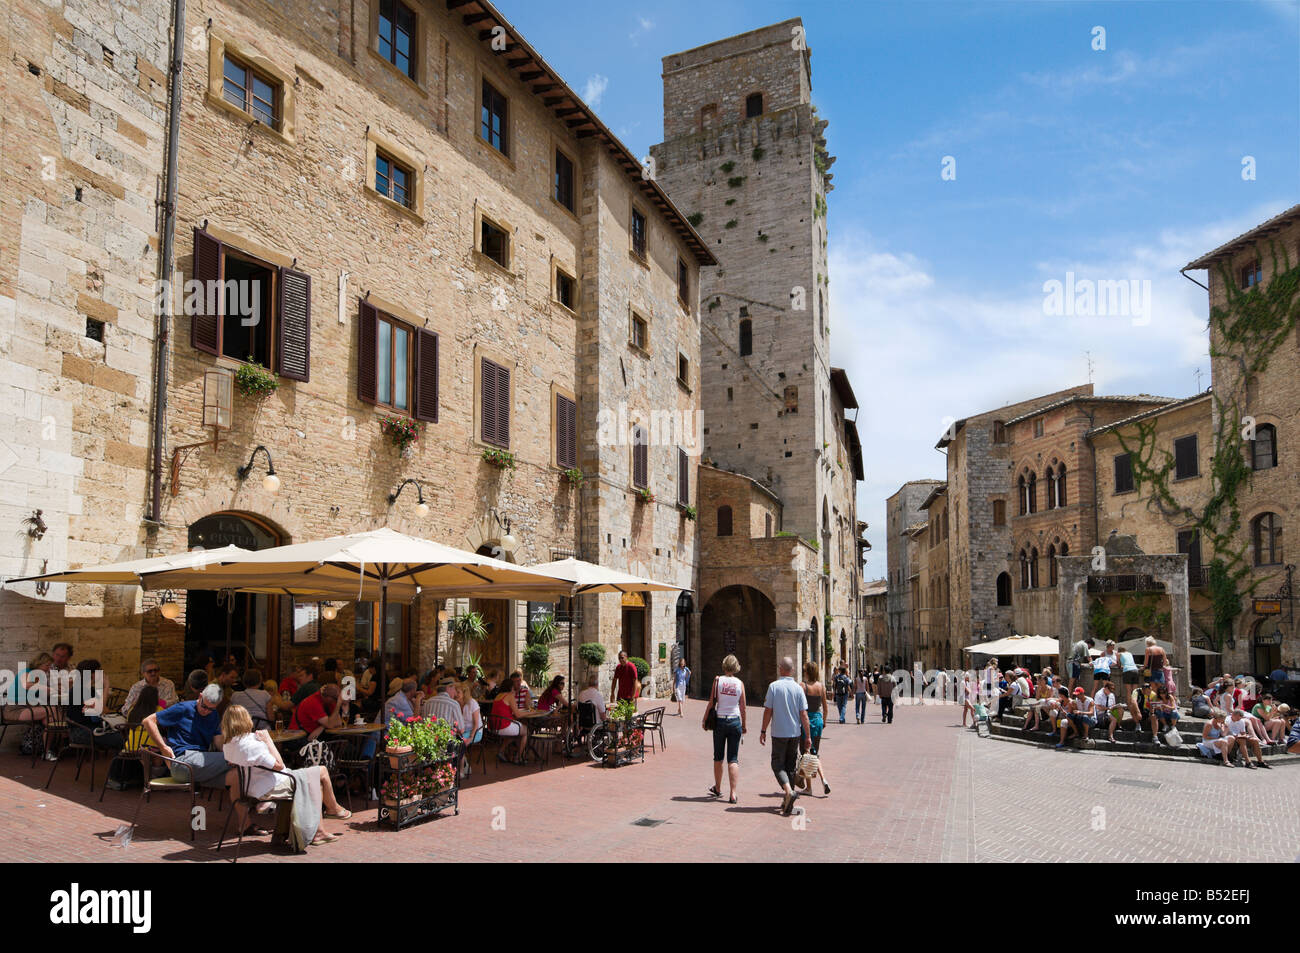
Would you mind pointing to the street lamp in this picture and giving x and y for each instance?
(421, 507)
(270, 482)
(508, 540)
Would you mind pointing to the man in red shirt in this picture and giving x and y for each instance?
(625, 683)
(318, 711)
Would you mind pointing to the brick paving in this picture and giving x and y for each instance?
(917, 790)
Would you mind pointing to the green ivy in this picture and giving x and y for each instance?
(758, 153)
(726, 167)
(695, 218)
(731, 224)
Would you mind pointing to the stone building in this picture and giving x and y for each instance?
(903, 516)
(933, 625)
(82, 137)
(415, 226)
(875, 623)
(744, 155)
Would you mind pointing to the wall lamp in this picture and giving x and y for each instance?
(421, 507)
(270, 482)
(167, 606)
(507, 540)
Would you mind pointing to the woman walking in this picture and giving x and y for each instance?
(860, 686)
(727, 700)
(681, 678)
(817, 710)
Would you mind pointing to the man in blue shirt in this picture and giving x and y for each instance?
(785, 709)
(188, 732)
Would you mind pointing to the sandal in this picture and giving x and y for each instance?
(343, 814)
(733, 800)
(714, 792)
(320, 839)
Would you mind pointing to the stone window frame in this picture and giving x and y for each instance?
(762, 104)
(684, 382)
(482, 258)
(1196, 457)
(635, 209)
(683, 279)
(558, 147)
(221, 44)
(415, 164)
(559, 390)
(1132, 487)
(500, 85)
(253, 251)
(635, 314)
(556, 270)
(420, 82)
(1277, 551)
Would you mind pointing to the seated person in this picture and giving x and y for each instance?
(523, 691)
(445, 705)
(320, 710)
(592, 694)
(489, 685)
(289, 684)
(1081, 716)
(1201, 705)
(1293, 737)
(194, 685)
(247, 748)
(1215, 738)
(187, 732)
(504, 720)
(1245, 741)
(1164, 712)
(1278, 724)
(405, 701)
(227, 678)
(330, 673)
(261, 705)
(14, 713)
(150, 675)
(308, 685)
(1105, 704)
(553, 697)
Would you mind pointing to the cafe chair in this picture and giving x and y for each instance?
(55, 732)
(135, 744)
(653, 721)
(12, 721)
(587, 720)
(283, 808)
(542, 741)
(166, 784)
(82, 741)
(349, 763)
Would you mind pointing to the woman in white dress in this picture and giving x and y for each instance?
(245, 747)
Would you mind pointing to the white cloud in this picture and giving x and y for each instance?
(643, 26)
(594, 89)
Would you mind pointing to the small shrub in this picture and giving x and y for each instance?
(726, 167)
(695, 218)
(690, 512)
(735, 182)
(642, 666)
(574, 476)
(758, 153)
(731, 201)
(731, 224)
(254, 380)
(593, 653)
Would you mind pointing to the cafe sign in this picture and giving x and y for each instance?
(1268, 606)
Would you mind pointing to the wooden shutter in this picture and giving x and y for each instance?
(503, 405)
(566, 432)
(293, 340)
(205, 323)
(683, 477)
(367, 353)
(494, 403)
(426, 375)
(640, 459)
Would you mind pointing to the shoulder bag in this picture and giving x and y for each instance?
(711, 716)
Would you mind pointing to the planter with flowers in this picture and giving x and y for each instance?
(644, 495)
(403, 432)
(624, 736)
(424, 779)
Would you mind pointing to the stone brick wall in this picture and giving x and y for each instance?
(902, 510)
(81, 154)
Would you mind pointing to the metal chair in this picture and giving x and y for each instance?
(55, 734)
(165, 784)
(14, 721)
(543, 740)
(587, 720)
(283, 806)
(653, 721)
(350, 762)
(81, 739)
(135, 742)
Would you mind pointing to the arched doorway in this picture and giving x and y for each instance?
(1266, 646)
(494, 652)
(250, 621)
(738, 620)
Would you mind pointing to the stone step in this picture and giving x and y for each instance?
(1126, 746)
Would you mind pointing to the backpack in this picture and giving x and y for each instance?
(842, 684)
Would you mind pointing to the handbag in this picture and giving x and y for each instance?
(809, 765)
(711, 716)
(1173, 738)
(316, 753)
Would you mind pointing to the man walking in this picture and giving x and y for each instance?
(785, 710)
(885, 691)
(625, 683)
(840, 685)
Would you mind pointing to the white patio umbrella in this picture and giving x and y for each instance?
(128, 573)
(1138, 646)
(1016, 645)
(356, 565)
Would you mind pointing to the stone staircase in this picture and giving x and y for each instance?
(1130, 743)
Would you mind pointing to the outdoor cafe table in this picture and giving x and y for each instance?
(351, 731)
(284, 735)
(537, 720)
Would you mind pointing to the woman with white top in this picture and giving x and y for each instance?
(727, 697)
(247, 748)
(472, 718)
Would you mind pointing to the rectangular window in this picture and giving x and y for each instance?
(683, 370)
(564, 180)
(494, 243)
(683, 478)
(492, 125)
(639, 335)
(1123, 473)
(393, 340)
(1189, 542)
(683, 283)
(1252, 275)
(1185, 462)
(566, 290)
(999, 513)
(397, 365)
(393, 180)
(999, 432)
(640, 458)
(638, 234)
(254, 93)
(494, 401)
(397, 36)
(1038, 427)
(566, 432)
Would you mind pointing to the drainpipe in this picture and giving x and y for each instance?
(163, 336)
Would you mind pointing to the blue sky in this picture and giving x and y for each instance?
(1115, 164)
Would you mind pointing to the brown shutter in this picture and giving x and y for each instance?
(566, 432)
(640, 459)
(205, 322)
(487, 400)
(503, 406)
(683, 478)
(293, 340)
(426, 375)
(367, 353)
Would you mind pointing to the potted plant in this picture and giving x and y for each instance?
(593, 653)
(467, 628)
(430, 738)
(689, 512)
(400, 739)
(574, 477)
(643, 495)
(255, 381)
(536, 662)
(402, 431)
(501, 459)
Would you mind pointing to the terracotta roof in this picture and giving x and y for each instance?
(525, 64)
(1111, 399)
(840, 381)
(1274, 224)
(915, 528)
(1155, 411)
(876, 588)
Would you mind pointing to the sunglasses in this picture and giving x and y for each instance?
(151, 671)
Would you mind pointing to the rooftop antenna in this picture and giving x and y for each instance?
(1088, 356)
(1197, 372)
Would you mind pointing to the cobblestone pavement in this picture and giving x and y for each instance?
(917, 790)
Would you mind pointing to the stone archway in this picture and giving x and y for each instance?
(739, 621)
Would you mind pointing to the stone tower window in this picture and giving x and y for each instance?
(1264, 447)
(708, 115)
(999, 512)
(746, 337)
(999, 432)
(724, 520)
(753, 105)
(1004, 589)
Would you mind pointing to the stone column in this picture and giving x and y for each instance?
(1180, 630)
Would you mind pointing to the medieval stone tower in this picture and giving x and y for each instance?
(745, 157)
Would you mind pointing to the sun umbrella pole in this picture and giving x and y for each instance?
(230, 619)
(381, 626)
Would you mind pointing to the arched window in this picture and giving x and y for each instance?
(1033, 568)
(1004, 589)
(753, 105)
(1051, 488)
(708, 115)
(1022, 489)
(1060, 485)
(1264, 447)
(1032, 487)
(746, 337)
(1051, 565)
(1024, 570)
(724, 520)
(1266, 533)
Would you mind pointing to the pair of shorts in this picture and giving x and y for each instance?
(726, 739)
(1158, 678)
(509, 731)
(1166, 717)
(1075, 669)
(1131, 677)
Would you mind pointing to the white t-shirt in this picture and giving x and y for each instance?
(594, 696)
(729, 689)
(469, 712)
(247, 750)
(1104, 701)
(1238, 726)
